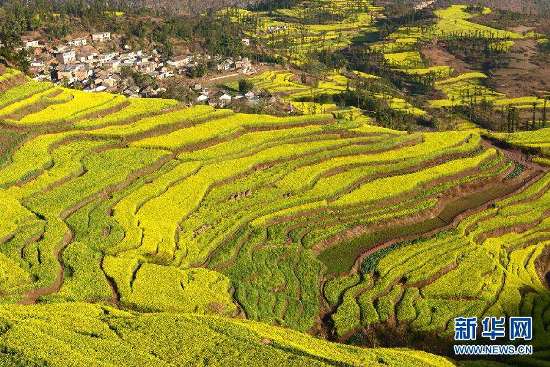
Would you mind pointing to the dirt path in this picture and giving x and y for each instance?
(32, 296)
(115, 294)
(223, 77)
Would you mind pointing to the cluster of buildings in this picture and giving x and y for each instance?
(94, 62)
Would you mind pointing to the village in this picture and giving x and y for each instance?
(96, 62)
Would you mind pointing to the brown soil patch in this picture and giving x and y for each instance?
(36, 107)
(105, 112)
(8, 142)
(436, 55)
(526, 75)
(12, 82)
(32, 296)
(542, 265)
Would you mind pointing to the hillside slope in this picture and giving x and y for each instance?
(79, 334)
(329, 226)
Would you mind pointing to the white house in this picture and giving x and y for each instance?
(165, 74)
(244, 65)
(32, 43)
(66, 57)
(225, 65)
(225, 99)
(107, 56)
(202, 98)
(78, 42)
(101, 36)
(180, 61)
(37, 64)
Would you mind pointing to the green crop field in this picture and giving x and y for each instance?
(114, 208)
(303, 98)
(344, 215)
(78, 334)
(456, 20)
(286, 34)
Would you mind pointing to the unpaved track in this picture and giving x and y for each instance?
(32, 296)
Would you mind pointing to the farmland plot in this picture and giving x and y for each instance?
(308, 222)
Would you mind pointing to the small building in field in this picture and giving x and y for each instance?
(202, 98)
(101, 36)
(225, 99)
(30, 43)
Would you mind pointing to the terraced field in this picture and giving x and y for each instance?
(297, 33)
(456, 21)
(308, 222)
(306, 99)
(537, 142)
(317, 24)
(469, 88)
(401, 51)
